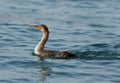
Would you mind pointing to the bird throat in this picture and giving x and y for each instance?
(41, 44)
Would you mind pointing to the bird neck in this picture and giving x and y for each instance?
(41, 44)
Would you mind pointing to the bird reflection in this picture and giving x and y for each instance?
(44, 71)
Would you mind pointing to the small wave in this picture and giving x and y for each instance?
(101, 25)
(99, 51)
(13, 24)
(117, 46)
(100, 45)
(6, 81)
(21, 63)
(97, 55)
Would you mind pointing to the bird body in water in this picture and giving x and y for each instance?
(39, 49)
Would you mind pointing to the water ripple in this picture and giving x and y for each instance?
(87, 28)
(13, 24)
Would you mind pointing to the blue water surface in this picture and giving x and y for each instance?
(90, 29)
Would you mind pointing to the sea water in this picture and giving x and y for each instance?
(90, 29)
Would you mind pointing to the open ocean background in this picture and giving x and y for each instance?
(88, 28)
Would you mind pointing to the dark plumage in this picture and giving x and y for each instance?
(39, 49)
